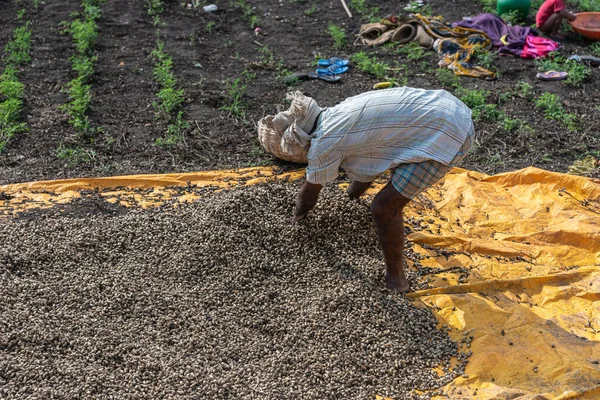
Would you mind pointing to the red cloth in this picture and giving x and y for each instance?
(537, 47)
(547, 9)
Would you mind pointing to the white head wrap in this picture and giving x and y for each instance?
(296, 123)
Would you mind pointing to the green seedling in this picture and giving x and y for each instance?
(367, 13)
(338, 35)
(489, 6)
(447, 78)
(595, 49)
(370, 65)
(416, 7)
(486, 59)
(248, 13)
(210, 26)
(524, 90)
(360, 6)
(154, 7)
(513, 17)
(17, 50)
(553, 109)
(74, 155)
(312, 10)
(174, 132)
(413, 51)
(235, 105)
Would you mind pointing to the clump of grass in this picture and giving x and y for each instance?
(489, 6)
(413, 51)
(210, 26)
(513, 17)
(369, 65)
(366, 12)
(235, 93)
(248, 13)
(584, 5)
(416, 7)
(447, 78)
(16, 52)
(553, 109)
(595, 49)
(338, 35)
(267, 60)
(74, 155)
(486, 59)
(311, 10)
(154, 8)
(524, 90)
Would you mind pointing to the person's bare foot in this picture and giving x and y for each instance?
(557, 36)
(396, 284)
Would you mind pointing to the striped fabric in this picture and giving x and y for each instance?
(411, 179)
(374, 131)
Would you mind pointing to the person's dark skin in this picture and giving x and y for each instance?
(307, 199)
(552, 24)
(386, 209)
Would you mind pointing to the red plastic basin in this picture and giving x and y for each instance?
(587, 25)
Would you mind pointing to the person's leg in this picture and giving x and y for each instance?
(357, 189)
(552, 25)
(386, 209)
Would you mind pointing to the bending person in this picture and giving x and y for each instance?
(418, 134)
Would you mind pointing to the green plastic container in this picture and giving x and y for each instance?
(506, 6)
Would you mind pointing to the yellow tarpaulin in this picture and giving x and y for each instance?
(515, 263)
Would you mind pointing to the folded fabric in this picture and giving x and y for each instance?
(515, 40)
(496, 29)
(538, 47)
(375, 34)
(456, 45)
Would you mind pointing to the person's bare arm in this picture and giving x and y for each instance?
(567, 14)
(307, 198)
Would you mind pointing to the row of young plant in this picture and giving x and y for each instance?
(84, 32)
(170, 96)
(16, 53)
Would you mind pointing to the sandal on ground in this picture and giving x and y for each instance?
(552, 75)
(332, 70)
(303, 76)
(594, 61)
(333, 61)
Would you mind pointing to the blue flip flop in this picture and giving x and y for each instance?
(332, 70)
(333, 61)
(303, 76)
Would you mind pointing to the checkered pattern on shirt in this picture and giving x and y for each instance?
(411, 179)
(370, 133)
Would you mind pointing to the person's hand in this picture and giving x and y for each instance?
(298, 218)
(571, 16)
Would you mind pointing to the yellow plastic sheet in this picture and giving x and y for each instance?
(515, 263)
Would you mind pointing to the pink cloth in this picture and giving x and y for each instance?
(547, 9)
(537, 47)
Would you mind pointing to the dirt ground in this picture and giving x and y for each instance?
(205, 63)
